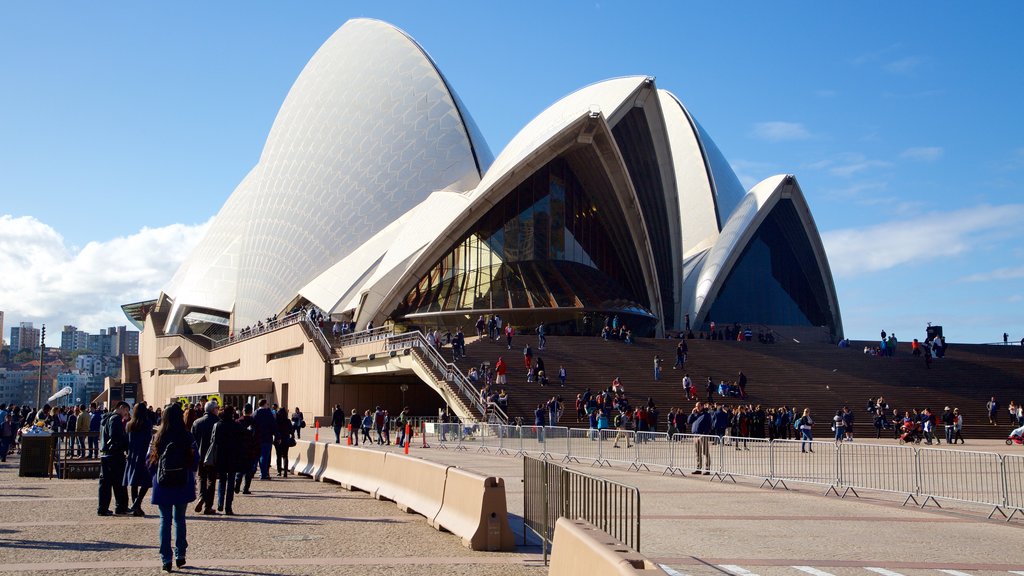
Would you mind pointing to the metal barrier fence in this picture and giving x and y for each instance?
(924, 475)
(551, 491)
(76, 455)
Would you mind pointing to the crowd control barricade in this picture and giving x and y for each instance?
(748, 457)
(808, 462)
(1013, 484)
(682, 452)
(884, 468)
(475, 508)
(487, 438)
(654, 449)
(975, 477)
(507, 436)
(584, 444)
(532, 441)
(584, 550)
(618, 446)
(556, 443)
(447, 435)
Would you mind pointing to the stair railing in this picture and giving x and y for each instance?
(449, 371)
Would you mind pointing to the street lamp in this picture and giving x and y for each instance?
(403, 388)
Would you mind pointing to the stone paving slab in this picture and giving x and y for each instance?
(287, 526)
(695, 525)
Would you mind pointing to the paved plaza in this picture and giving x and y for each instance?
(691, 525)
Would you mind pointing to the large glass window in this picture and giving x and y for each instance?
(546, 245)
(776, 280)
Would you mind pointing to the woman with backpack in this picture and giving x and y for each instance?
(284, 438)
(173, 460)
(136, 474)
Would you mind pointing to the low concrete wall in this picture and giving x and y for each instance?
(414, 485)
(469, 505)
(475, 508)
(581, 549)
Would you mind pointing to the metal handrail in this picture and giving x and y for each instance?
(364, 336)
(318, 336)
(451, 373)
(255, 331)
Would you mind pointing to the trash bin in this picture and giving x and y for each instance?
(36, 454)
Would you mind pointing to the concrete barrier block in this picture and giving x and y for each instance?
(303, 457)
(475, 509)
(415, 485)
(581, 549)
(354, 468)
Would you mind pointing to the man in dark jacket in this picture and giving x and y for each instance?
(338, 422)
(113, 445)
(95, 422)
(250, 451)
(355, 423)
(202, 431)
(265, 426)
(700, 423)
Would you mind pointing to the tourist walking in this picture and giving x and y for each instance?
(355, 423)
(136, 471)
(173, 459)
(113, 445)
(283, 440)
(226, 445)
(805, 425)
(263, 423)
(202, 431)
(958, 426)
(250, 451)
(298, 422)
(338, 422)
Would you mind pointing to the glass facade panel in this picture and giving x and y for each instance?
(776, 280)
(545, 246)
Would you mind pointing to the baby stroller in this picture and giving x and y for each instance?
(1016, 437)
(911, 433)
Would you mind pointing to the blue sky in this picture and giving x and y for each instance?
(902, 122)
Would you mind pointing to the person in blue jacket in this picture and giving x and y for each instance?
(173, 488)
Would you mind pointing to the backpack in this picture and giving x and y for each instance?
(799, 422)
(171, 469)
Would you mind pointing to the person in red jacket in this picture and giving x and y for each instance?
(499, 369)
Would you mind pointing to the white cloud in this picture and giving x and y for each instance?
(856, 251)
(923, 153)
(848, 164)
(904, 65)
(44, 280)
(779, 131)
(751, 172)
(997, 274)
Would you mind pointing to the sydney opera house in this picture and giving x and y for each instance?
(376, 200)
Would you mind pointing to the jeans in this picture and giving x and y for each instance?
(226, 489)
(177, 511)
(949, 434)
(243, 480)
(805, 438)
(265, 460)
(111, 479)
(282, 458)
(337, 434)
(94, 446)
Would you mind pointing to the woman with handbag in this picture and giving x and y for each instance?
(283, 440)
(298, 422)
(173, 460)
